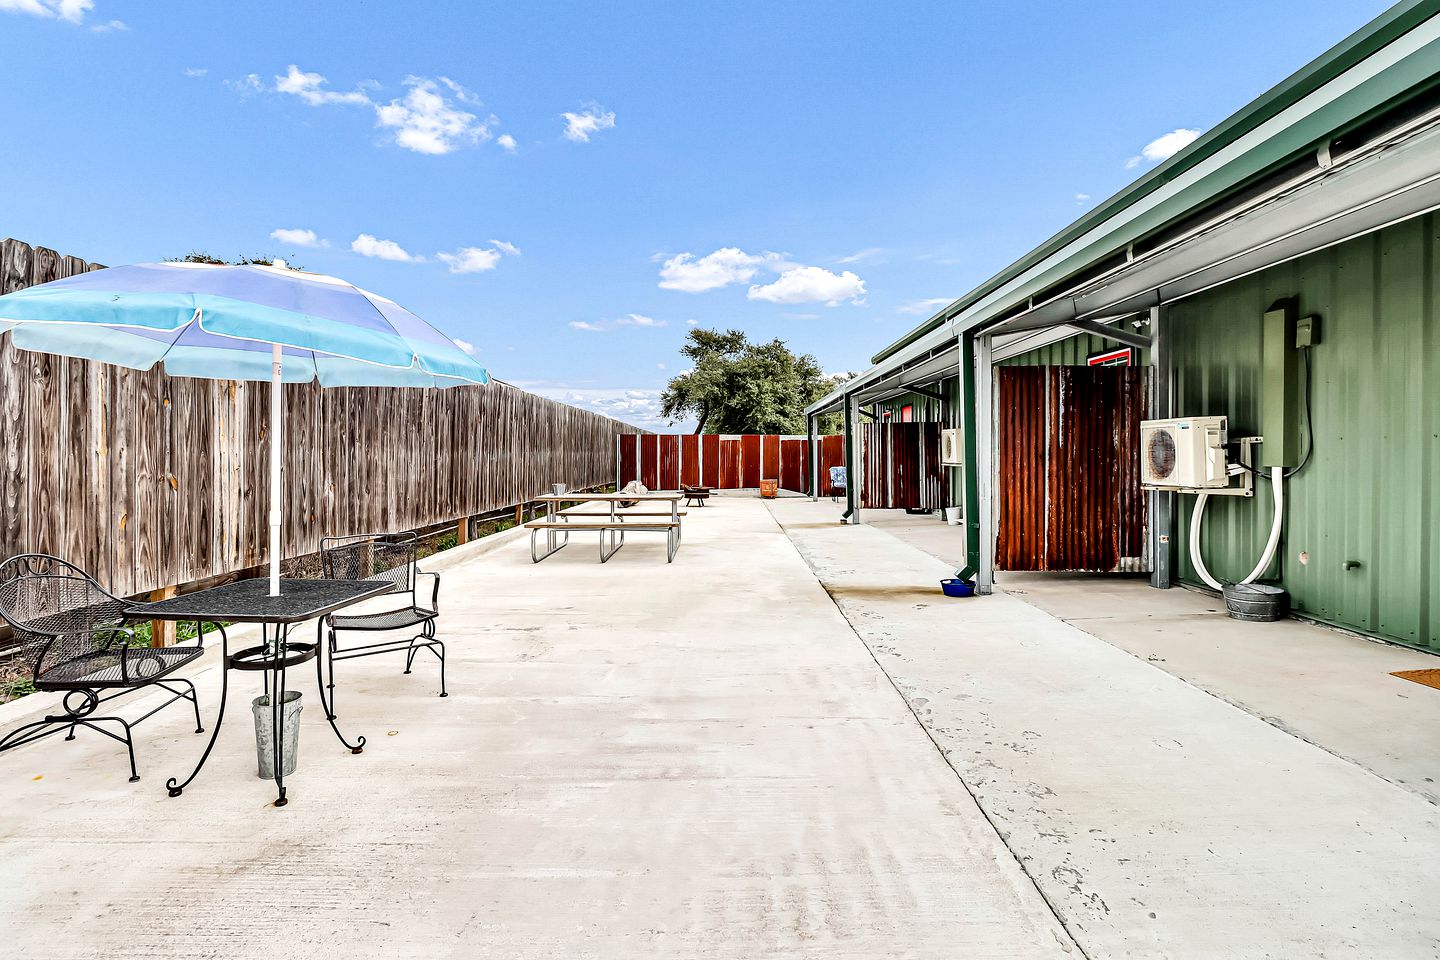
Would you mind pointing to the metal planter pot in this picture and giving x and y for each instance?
(265, 734)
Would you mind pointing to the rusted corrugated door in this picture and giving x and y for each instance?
(690, 460)
(770, 457)
(750, 460)
(794, 465)
(1069, 485)
(730, 454)
(629, 458)
(650, 461)
(710, 460)
(669, 474)
(902, 467)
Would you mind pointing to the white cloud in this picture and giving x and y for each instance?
(246, 85)
(860, 256)
(926, 306)
(310, 88)
(659, 366)
(196, 72)
(426, 122)
(470, 259)
(639, 407)
(692, 323)
(639, 320)
(1082, 197)
(478, 259)
(507, 142)
(368, 246)
(72, 11)
(1164, 147)
(810, 285)
(725, 266)
(111, 26)
(582, 325)
(580, 127)
(298, 237)
(465, 345)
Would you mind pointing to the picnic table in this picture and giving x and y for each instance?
(249, 601)
(612, 525)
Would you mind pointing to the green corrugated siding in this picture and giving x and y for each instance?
(1068, 353)
(1368, 493)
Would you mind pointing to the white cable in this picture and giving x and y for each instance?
(1277, 485)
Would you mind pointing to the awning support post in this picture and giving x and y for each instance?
(968, 476)
(1161, 405)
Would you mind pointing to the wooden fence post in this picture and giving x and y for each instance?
(462, 531)
(162, 632)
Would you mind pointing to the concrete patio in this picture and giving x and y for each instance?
(784, 744)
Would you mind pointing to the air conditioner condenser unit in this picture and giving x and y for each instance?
(1185, 453)
(952, 448)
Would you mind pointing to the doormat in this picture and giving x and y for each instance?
(1430, 678)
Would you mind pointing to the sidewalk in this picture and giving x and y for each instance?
(1159, 820)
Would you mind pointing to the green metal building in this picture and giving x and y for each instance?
(1321, 194)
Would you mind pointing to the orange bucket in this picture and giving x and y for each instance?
(769, 488)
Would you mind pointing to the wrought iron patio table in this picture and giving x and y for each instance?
(249, 601)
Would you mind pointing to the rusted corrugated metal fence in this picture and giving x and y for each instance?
(150, 481)
(723, 462)
(1069, 490)
(902, 467)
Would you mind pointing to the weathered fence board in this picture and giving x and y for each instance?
(150, 481)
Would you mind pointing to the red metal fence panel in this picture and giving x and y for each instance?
(730, 460)
(690, 460)
(669, 478)
(650, 461)
(770, 457)
(629, 458)
(710, 460)
(794, 464)
(750, 460)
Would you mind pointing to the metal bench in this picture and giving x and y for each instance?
(612, 534)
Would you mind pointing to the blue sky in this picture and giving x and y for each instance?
(568, 187)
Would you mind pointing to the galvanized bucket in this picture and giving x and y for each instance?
(1258, 602)
(265, 734)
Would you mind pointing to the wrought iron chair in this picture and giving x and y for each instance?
(390, 557)
(76, 638)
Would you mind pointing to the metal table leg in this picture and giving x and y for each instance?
(322, 653)
(172, 786)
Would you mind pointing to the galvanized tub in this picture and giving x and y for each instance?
(1258, 602)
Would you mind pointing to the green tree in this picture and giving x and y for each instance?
(735, 386)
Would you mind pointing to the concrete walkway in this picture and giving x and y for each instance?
(636, 760)
(1323, 685)
(1159, 820)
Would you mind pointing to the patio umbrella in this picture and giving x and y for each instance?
(224, 322)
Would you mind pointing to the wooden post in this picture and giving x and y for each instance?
(462, 531)
(162, 632)
(519, 514)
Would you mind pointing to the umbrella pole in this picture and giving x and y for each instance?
(277, 445)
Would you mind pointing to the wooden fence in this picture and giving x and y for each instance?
(723, 462)
(150, 481)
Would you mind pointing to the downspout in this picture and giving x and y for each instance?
(972, 485)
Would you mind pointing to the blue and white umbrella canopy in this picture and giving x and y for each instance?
(224, 322)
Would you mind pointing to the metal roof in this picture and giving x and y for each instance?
(1391, 55)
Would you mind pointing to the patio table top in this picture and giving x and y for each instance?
(249, 601)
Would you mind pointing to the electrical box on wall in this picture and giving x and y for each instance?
(1280, 400)
(952, 448)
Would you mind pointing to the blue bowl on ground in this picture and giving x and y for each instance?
(957, 588)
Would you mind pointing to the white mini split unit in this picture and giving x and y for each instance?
(1187, 454)
(952, 448)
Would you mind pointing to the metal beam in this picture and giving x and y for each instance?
(1161, 502)
(984, 469)
(920, 391)
(971, 497)
(1116, 332)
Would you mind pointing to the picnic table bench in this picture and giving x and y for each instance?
(612, 525)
